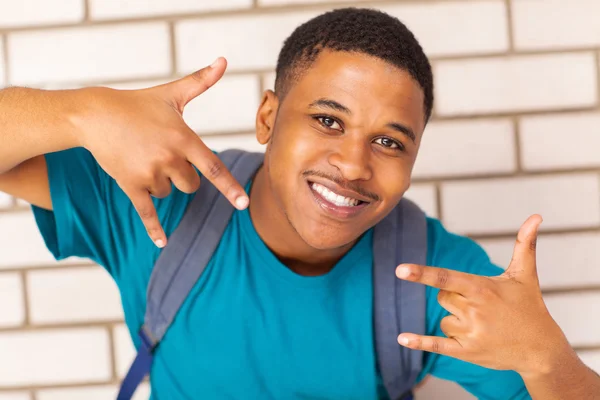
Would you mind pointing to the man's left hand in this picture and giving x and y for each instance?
(498, 322)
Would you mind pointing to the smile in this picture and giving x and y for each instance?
(334, 204)
(334, 198)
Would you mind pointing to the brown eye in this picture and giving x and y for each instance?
(389, 143)
(329, 122)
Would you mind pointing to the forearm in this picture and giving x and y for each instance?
(568, 378)
(35, 122)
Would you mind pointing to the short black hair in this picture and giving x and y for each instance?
(361, 30)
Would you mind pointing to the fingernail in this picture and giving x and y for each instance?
(403, 272)
(214, 63)
(160, 243)
(403, 340)
(241, 202)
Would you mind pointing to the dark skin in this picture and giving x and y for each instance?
(364, 146)
(351, 123)
(355, 122)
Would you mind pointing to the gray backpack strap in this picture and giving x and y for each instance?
(399, 306)
(178, 267)
(183, 260)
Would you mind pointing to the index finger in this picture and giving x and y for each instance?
(441, 278)
(142, 202)
(213, 169)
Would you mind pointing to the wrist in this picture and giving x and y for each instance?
(557, 357)
(79, 105)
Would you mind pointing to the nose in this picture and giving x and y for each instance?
(352, 158)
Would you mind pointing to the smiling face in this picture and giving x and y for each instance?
(341, 146)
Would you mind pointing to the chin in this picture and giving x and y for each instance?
(328, 237)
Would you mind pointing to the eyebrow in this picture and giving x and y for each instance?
(334, 105)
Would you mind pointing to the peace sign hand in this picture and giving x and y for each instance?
(496, 322)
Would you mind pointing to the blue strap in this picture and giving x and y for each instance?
(140, 367)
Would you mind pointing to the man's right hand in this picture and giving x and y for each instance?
(140, 139)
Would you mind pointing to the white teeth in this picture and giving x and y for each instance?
(334, 197)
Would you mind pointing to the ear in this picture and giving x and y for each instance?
(265, 116)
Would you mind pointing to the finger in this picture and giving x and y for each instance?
(523, 262)
(432, 344)
(185, 178)
(184, 90)
(213, 169)
(451, 326)
(161, 187)
(145, 208)
(441, 278)
(452, 302)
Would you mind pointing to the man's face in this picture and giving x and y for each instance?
(342, 146)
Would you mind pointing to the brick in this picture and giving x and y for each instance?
(21, 244)
(230, 105)
(90, 54)
(558, 25)
(251, 42)
(57, 356)
(2, 61)
(435, 388)
(244, 141)
(11, 299)
(40, 12)
(520, 83)
(459, 27)
(15, 396)
(98, 392)
(425, 196)
(124, 349)
(82, 294)
(564, 260)
(102, 9)
(269, 81)
(568, 312)
(466, 148)
(545, 144)
(502, 205)
(591, 358)
(5, 200)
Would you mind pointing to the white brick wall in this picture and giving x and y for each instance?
(115, 9)
(509, 84)
(40, 12)
(100, 53)
(2, 62)
(456, 148)
(11, 300)
(54, 356)
(502, 205)
(557, 25)
(560, 141)
(515, 131)
(87, 294)
(252, 41)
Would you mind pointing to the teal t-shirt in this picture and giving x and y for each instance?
(251, 328)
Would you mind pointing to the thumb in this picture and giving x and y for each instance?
(523, 262)
(184, 90)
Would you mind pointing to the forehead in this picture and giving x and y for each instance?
(364, 84)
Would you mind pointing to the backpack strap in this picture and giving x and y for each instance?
(399, 305)
(178, 268)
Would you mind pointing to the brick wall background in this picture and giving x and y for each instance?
(516, 130)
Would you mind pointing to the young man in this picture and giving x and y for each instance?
(284, 309)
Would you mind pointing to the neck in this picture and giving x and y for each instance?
(275, 229)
